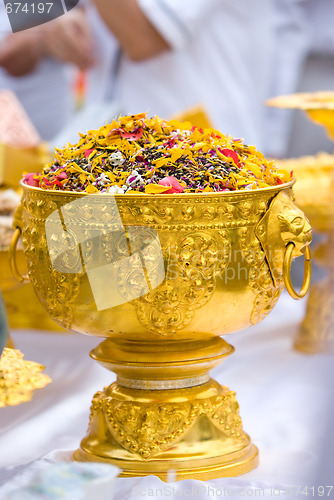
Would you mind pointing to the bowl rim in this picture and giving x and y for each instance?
(172, 196)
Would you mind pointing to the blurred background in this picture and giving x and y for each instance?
(224, 58)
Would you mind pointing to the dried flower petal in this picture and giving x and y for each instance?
(31, 180)
(173, 183)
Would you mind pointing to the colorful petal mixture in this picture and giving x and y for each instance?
(137, 154)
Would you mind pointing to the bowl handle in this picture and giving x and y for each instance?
(288, 257)
(12, 258)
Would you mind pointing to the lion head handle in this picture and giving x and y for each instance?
(283, 223)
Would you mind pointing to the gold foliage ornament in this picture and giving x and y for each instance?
(19, 378)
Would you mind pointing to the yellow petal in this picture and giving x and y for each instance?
(156, 188)
(161, 162)
(91, 189)
(176, 154)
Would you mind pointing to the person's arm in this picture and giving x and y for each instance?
(21, 52)
(138, 38)
(68, 39)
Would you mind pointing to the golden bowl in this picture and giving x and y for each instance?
(314, 195)
(161, 277)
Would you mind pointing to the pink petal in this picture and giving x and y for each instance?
(173, 183)
(88, 152)
(29, 179)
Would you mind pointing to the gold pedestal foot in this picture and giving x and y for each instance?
(316, 333)
(188, 423)
(196, 432)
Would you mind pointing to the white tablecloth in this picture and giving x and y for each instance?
(284, 397)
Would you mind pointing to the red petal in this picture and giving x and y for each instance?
(229, 153)
(131, 136)
(58, 183)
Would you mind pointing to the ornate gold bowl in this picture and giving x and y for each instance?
(161, 278)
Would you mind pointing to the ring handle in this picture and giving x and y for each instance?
(287, 268)
(12, 258)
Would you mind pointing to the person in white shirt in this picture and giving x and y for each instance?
(33, 65)
(175, 54)
(230, 56)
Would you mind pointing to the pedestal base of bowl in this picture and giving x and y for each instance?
(316, 332)
(167, 415)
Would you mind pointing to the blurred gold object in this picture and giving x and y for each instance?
(222, 258)
(19, 378)
(24, 309)
(13, 162)
(319, 106)
(314, 191)
(317, 199)
(197, 116)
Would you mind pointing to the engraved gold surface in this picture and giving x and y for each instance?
(223, 261)
(23, 307)
(197, 432)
